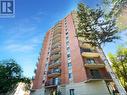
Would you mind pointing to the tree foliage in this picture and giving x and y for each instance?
(116, 9)
(117, 6)
(93, 26)
(119, 64)
(10, 76)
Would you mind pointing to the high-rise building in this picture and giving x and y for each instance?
(67, 66)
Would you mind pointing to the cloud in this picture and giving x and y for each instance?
(38, 17)
(23, 35)
(21, 29)
(22, 40)
(19, 48)
(26, 46)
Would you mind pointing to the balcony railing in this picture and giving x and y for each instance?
(56, 45)
(85, 45)
(96, 77)
(54, 73)
(54, 64)
(56, 40)
(53, 83)
(94, 65)
(90, 54)
(57, 32)
(58, 25)
(56, 36)
(55, 56)
(56, 50)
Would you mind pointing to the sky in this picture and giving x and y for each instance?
(21, 37)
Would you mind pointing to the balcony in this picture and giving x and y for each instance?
(57, 32)
(82, 39)
(56, 45)
(52, 83)
(84, 45)
(56, 40)
(94, 65)
(54, 73)
(55, 64)
(57, 28)
(56, 50)
(55, 56)
(56, 36)
(58, 25)
(90, 54)
(98, 77)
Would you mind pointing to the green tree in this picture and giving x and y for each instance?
(94, 28)
(117, 6)
(116, 9)
(119, 64)
(10, 76)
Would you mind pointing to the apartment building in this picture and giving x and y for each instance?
(67, 66)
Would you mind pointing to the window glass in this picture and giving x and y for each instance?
(85, 50)
(70, 75)
(72, 92)
(68, 55)
(90, 61)
(95, 74)
(69, 64)
(67, 38)
(69, 59)
(67, 43)
(66, 33)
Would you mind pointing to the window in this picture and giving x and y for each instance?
(68, 51)
(69, 64)
(66, 33)
(69, 59)
(70, 71)
(68, 55)
(67, 43)
(67, 38)
(56, 70)
(68, 48)
(65, 21)
(90, 61)
(71, 91)
(66, 25)
(70, 75)
(95, 74)
(56, 81)
(85, 50)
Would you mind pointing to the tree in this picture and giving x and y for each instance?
(117, 9)
(117, 6)
(119, 64)
(96, 30)
(10, 76)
